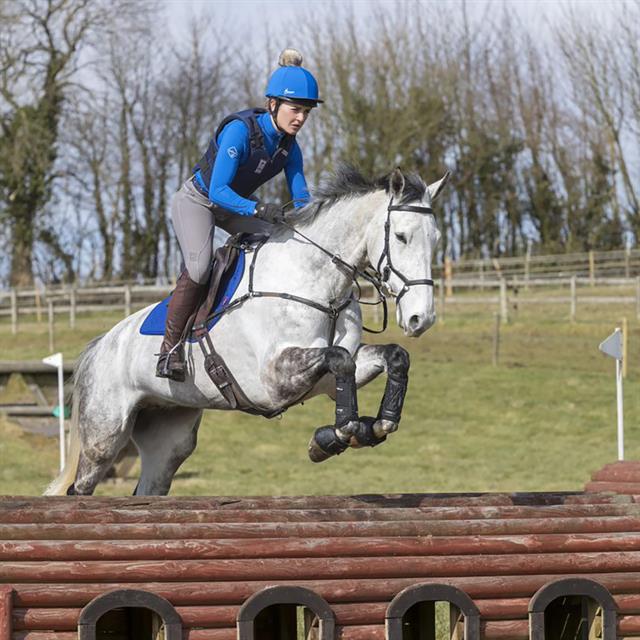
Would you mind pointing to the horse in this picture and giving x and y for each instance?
(279, 350)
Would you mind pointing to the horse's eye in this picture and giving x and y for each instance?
(401, 237)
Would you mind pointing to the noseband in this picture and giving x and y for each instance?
(386, 253)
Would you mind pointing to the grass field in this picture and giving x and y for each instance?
(543, 419)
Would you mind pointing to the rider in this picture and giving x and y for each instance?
(249, 148)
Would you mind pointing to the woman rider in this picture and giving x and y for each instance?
(248, 149)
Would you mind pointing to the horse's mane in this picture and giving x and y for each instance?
(346, 182)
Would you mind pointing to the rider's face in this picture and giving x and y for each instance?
(292, 116)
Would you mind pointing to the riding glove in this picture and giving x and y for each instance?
(269, 212)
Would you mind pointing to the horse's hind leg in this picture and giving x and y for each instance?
(102, 438)
(165, 438)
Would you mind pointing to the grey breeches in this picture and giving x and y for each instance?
(194, 221)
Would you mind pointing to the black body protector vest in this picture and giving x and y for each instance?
(260, 167)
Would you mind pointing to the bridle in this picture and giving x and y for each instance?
(386, 253)
(334, 308)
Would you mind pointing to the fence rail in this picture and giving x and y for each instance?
(593, 264)
(127, 298)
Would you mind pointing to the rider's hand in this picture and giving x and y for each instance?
(269, 212)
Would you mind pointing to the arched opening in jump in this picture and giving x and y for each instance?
(285, 613)
(130, 623)
(286, 622)
(129, 614)
(432, 612)
(573, 609)
(432, 620)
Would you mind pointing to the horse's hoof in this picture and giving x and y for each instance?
(366, 434)
(324, 444)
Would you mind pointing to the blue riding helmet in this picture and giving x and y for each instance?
(296, 84)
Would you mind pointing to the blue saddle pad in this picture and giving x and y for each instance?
(153, 324)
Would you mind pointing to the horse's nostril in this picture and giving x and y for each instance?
(414, 321)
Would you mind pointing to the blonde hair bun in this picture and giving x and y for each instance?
(290, 58)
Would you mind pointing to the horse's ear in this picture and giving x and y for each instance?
(437, 187)
(396, 183)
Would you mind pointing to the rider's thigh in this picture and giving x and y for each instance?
(194, 225)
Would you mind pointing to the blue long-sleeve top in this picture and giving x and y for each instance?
(234, 149)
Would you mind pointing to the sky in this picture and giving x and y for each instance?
(260, 13)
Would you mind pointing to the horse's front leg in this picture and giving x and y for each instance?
(352, 430)
(372, 360)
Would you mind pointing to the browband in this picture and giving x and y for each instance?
(410, 207)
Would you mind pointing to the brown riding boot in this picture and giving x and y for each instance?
(183, 303)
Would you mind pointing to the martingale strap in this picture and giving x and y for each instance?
(332, 309)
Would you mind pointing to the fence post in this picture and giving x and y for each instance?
(504, 303)
(72, 308)
(448, 273)
(627, 256)
(527, 260)
(442, 299)
(496, 340)
(482, 275)
(574, 299)
(592, 269)
(127, 300)
(625, 333)
(38, 305)
(14, 311)
(50, 317)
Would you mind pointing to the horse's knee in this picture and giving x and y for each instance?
(340, 362)
(397, 359)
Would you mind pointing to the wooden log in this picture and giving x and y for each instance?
(309, 502)
(59, 619)
(44, 635)
(123, 515)
(244, 548)
(623, 471)
(625, 488)
(509, 609)
(6, 612)
(514, 526)
(629, 625)
(32, 367)
(210, 634)
(322, 568)
(336, 591)
(505, 629)
(360, 632)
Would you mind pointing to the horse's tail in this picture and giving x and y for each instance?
(67, 476)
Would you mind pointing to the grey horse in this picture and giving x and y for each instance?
(280, 351)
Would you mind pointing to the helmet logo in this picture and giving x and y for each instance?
(232, 152)
(288, 92)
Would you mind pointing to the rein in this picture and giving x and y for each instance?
(332, 309)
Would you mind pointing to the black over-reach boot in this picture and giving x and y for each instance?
(185, 298)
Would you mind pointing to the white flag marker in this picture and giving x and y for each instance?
(612, 346)
(56, 361)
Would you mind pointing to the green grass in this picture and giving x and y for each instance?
(544, 419)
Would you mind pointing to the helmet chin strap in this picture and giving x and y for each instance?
(274, 114)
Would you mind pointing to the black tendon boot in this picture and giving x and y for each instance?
(183, 303)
